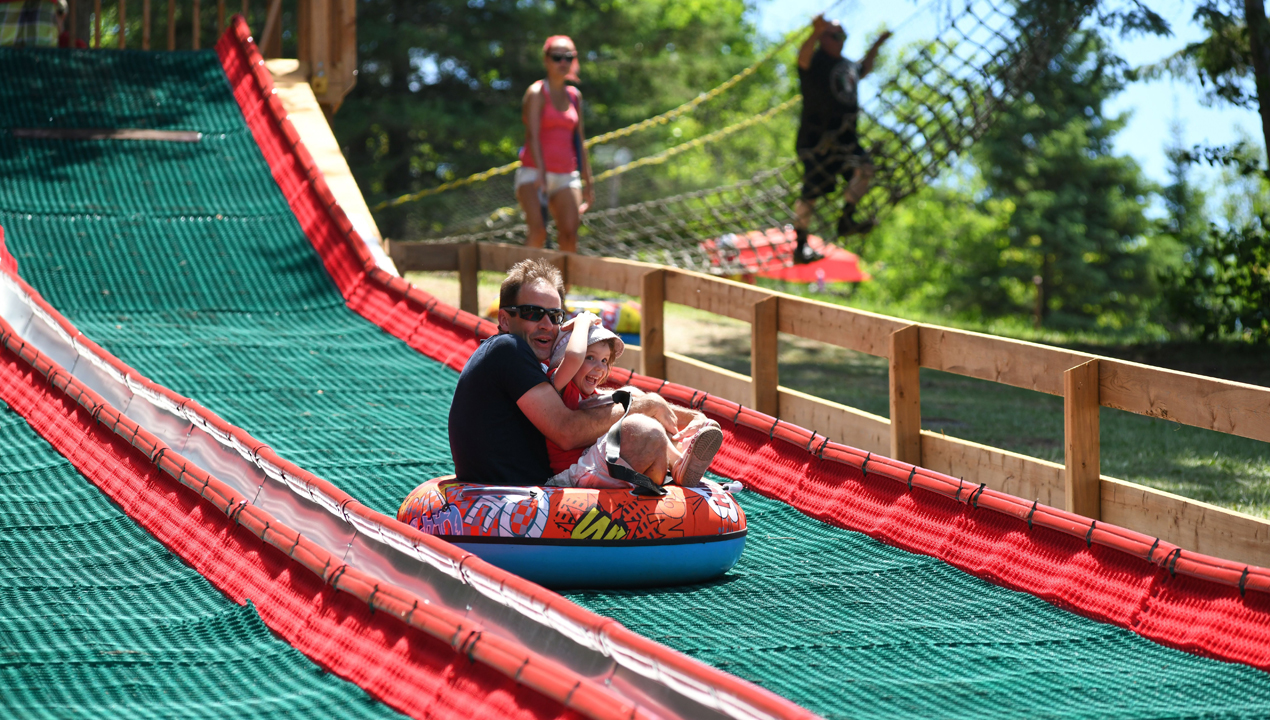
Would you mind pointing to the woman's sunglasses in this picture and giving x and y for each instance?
(534, 313)
(563, 57)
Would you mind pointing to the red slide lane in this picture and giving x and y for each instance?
(1185, 600)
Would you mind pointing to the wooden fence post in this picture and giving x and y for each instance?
(652, 348)
(764, 373)
(906, 395)
(194, 25)
(1080, 429)
(171, 25)
(469, 275)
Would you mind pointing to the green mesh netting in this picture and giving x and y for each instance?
(190, 268)
(98, 620)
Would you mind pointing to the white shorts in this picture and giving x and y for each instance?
(555, 181)
(590, 471)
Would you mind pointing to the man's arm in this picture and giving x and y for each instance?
(571, 429)
(808, 48)
(866, 65)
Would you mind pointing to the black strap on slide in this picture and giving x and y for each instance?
(643, 486)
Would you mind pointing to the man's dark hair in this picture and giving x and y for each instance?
(525, 272)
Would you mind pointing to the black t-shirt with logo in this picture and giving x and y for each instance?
(830, 102)
(491, 440)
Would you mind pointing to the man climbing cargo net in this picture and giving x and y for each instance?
(689, 202)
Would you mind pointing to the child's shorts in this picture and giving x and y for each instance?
(590, 471)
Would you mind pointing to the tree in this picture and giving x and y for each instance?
(1187, 216)
(1223, 291)
(1232, 63)
(1076, 239)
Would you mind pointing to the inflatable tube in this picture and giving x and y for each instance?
(580, 538)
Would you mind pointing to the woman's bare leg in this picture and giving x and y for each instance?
(527, 194)
(564, 208)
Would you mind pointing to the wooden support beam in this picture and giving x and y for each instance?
(469, 267)
(1011, 362)
(712, 294)
(764, 371)
(1080, 427)
(1209, 403)
(171, 25)
(423, 257)
(123, 24)
(271, 47)
(652, 337)
(837, 325)
(906, 395)
(97, 23)
(707, 378)
(145, 24)
(220, 17)
(194, 25)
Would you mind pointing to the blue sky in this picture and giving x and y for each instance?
(1153, 106)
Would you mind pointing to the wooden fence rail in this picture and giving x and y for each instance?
(1086, 382)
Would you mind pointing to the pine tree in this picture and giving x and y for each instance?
(1076, 251)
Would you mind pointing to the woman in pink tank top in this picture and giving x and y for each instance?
(554, 160)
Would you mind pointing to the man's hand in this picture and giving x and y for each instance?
(818, 24)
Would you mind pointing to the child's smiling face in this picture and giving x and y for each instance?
(595, 367)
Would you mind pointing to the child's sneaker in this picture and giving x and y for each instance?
(698, 453)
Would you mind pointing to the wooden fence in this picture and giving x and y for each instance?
(1086, 383)
(325, 32)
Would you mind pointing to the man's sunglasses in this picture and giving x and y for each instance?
(534, 313)
(838, 35)
(562, 57)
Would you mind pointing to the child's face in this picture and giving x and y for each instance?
(595, 368)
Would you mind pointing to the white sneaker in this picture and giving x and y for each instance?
(699, 451)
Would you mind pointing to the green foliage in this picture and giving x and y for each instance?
(1221, 62)
(941, 251)
(1223, 290)
(1077, 234)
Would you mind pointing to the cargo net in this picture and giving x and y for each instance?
(677, 193)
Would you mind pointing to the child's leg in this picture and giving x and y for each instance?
(646, 447)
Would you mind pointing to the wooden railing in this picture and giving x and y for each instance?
(325, 32)
(1086, 382)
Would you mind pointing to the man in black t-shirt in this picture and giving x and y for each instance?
(827, 142)
(504, 407)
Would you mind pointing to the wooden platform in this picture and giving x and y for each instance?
(309, 120)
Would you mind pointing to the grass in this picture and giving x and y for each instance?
(1213, 467)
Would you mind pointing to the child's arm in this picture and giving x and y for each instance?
(574, 351)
